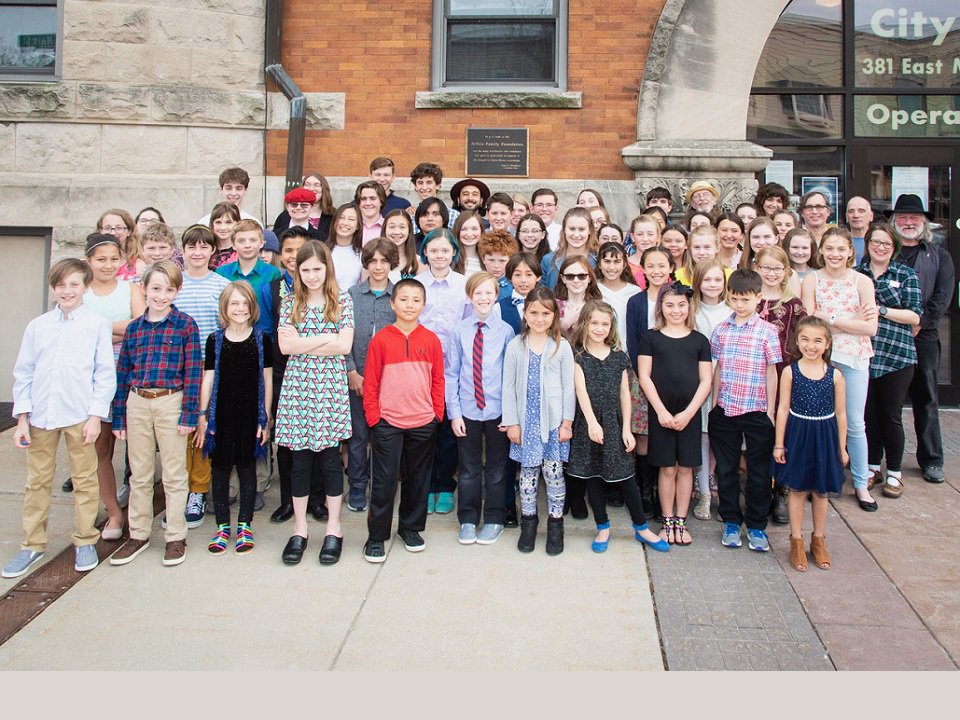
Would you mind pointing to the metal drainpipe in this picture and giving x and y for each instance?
(273, 44)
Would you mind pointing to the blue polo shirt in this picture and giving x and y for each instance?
(260, 277)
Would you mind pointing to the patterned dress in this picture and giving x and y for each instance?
(314, 408)
(533, 451)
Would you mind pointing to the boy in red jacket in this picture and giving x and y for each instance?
(403, 403)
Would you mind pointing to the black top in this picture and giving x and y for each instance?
(675, 371)
(237, 396)
(321, 232)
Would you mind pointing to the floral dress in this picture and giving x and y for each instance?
(314, 408)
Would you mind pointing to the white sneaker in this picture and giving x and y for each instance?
(702, 509)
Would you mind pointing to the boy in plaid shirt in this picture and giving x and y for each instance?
(158, 387)
(747, 351)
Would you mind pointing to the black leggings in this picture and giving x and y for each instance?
(884, 417)
(306, 464)
(597, 494)
(220, 478)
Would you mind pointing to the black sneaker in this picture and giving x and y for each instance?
(374, 552)
(412, 540)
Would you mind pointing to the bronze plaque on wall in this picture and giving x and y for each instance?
(500, 152)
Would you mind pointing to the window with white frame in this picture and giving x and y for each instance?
(29, 38)
(500, 44)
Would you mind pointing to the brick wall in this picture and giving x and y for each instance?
(379, 55)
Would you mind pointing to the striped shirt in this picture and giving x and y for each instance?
(200, 299)
(743, 353)
(158, 356)
(893, 346)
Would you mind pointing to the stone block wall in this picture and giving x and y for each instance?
(155, 99)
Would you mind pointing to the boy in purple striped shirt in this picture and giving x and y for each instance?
(158, 387)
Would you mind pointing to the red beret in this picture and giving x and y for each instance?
(300, 195)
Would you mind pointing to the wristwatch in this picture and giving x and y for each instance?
(882, 310)
(833, 318)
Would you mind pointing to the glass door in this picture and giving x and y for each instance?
(884, 172)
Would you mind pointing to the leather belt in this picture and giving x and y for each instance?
(154, 394)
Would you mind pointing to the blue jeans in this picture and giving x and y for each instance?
(857, 382)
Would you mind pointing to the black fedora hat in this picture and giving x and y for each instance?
(908, 203)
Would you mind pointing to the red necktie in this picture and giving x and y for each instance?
(478, 367)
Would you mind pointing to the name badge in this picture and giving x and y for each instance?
(894, 283)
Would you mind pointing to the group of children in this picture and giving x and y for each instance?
(617, 370)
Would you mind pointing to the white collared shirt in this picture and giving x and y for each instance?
(65, 370)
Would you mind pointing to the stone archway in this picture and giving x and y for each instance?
(694, 97)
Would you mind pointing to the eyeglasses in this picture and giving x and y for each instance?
(543, 205)
(113, 229)
(146, 220)
(771, 269)
(576, 276)
(530, 231)
(299, 204)
(816, 207)
(882, 244)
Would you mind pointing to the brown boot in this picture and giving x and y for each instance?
(798, 556)
(818, 549)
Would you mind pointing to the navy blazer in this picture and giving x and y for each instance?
(509, 313)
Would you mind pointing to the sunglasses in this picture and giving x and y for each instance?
(576, 276)
(300, 204)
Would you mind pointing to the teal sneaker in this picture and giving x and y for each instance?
(444, 503)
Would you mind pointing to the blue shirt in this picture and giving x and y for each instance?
(260, 277)
(64, 372)
(458, 368)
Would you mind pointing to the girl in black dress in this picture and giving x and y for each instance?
(601, 451)
(675, 374)
(234, 397)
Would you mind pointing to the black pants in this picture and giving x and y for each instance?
(416, 447)
(884, 416)
(477, 481)
(285, 460)
(446, 460)
(311, 469)
(597, 495)
(727, 435)
(220, 480)
(923, 398)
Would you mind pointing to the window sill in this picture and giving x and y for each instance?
(445, 99)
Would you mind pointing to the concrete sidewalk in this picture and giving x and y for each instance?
(891, 600)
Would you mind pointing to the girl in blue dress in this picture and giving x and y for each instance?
(811, 437)
(539, 401)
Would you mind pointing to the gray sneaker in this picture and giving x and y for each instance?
(21, 563)
(731, 535)
(489, 533)
(86, 558)
(468, 534)
(757, 540)
(123, 495)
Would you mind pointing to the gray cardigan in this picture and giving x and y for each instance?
(370, 315)
(557, 396)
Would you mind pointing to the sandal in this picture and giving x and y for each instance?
(666, 532)
(798, 556)
(244, 538)
(218, 543)
(818, 548)
(892, 489)
(682, 535)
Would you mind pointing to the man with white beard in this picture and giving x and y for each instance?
(934, 267)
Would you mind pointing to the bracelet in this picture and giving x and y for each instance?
(202, 413)
(779, 447)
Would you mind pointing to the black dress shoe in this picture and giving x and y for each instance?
(282, 513)
(510, 517)
(330, 552)
(67, 485)
(293, 551)
(319, 511)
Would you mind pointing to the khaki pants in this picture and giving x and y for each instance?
(41, 464)
(151, 424)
